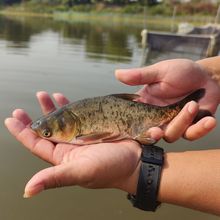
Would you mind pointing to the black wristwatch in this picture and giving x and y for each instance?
(149, 179)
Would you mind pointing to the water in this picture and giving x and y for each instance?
(79, 60)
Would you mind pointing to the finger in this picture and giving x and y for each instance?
(45, 102)
(210, 101)
(181, 122)
(155, 133)
(200, 129)
(138, 76)
(22, 116)
(51, 177)
(42, 148)
(60, 99)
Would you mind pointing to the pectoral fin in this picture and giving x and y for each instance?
(113, 137)
(145, 139)
(92, 138)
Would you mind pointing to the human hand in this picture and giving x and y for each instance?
(169, 81)
(106, 165)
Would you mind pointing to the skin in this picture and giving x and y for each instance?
(212, 65)
(88, 166)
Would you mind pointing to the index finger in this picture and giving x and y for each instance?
(45, 102)
(177, 127)
(60, 99)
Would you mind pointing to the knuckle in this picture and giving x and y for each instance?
(57, 181)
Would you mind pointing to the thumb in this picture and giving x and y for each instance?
(138, 76)
(51, 177)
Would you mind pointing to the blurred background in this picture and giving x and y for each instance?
(74, 47)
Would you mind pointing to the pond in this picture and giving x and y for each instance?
(79, 60)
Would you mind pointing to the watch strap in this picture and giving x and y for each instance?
(149, 179)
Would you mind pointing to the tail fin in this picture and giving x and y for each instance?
(195, 96)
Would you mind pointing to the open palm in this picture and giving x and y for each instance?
(95, 166)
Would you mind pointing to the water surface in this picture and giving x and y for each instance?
(77, 59)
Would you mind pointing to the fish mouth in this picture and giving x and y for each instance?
(35, 125)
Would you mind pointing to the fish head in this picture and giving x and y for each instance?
(59, 126)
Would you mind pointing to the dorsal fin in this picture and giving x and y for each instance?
(126, 96)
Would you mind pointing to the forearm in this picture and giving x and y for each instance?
(192, 179)
(212, 65)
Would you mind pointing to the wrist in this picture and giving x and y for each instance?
(128, 181)
(131, 185)
(167, 182)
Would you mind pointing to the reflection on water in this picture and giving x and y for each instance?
(79, 60)
(111, 43)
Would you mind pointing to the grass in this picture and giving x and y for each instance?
(130, 14)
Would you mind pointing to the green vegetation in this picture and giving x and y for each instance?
(109, 6)
(116, 11)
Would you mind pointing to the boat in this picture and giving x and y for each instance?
(188, 42)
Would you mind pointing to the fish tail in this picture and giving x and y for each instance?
(195, 96)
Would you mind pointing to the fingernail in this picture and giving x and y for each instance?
(26, 195)
(39, 93)
(121, 71)
(156, 133)
(56, 94)
(7, 121)
(192, 107)
(33, 191)
(209, 124)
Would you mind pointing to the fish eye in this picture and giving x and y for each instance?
(46, 133)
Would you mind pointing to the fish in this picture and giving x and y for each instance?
(108, 118)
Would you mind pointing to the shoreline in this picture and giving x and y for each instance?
(127, 19)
